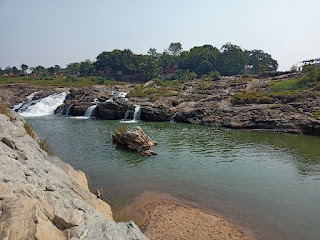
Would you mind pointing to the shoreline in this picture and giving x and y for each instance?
(163, 216)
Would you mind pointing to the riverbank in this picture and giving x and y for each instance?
(164, 217)
(273, 104)
(43, 198)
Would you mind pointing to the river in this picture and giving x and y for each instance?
(263, 182)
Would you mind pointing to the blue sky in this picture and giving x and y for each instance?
(38, 32)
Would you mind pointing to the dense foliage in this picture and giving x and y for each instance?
(172, 62)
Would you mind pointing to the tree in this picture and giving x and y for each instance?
(153, 52)
(199, 59)
(117, 62)
(1, 71)
(259, 57)
(8, 70)
(232, 60)
(57, 69)
(86, 68)
(24, 67)
(148, 66)
(15, 70)
(175, 48)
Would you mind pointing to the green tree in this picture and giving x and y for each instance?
(1, 71)
(148, 66)
(199, 59)
(8, 70)
(86, 68)
(175, 48)
(24, 67)
(232, 60)
(259, 57)
(153, 52)
(117, 62)
(15, 70)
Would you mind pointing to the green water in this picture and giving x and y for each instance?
(267, 183)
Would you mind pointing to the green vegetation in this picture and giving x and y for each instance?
(6, 111)
(44, 145)
(316, 115)
(63, 81)
(285, 91)
(310, 79)
(172, 63)
(122, 129)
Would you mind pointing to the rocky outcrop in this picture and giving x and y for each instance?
(42, 197)
(135, 139)
(111, 111)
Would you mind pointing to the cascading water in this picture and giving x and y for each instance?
(68, 110)
(135, 115)
(89, 111)
(45, 106)
(173, 118)
(116, 94)
(24, 105)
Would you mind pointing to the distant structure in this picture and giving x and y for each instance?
(315, 61)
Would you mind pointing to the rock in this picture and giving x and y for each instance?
(44, 198)
(111, 111)
(135, 139)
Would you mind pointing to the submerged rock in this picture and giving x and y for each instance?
(136, 139)
(43, 198)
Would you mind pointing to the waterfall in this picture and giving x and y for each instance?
(45, 106)
(132, 116)
(89, 111)
(173, 118)
(137, 113)
(24, 105)
(68, 110)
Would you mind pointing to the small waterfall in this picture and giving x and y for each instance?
(24, 105)
(89, 111)
(68, 110)
(132, 116)
(137, 113)
(45, 106)
(173, 118)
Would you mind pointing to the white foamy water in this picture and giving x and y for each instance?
(45, 106)
(136, 115)
(88, 113)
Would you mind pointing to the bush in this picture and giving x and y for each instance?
(122, 129)
(212, 76)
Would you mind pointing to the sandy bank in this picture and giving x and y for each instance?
(161, 216)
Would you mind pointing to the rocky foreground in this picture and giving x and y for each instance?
(42, 197)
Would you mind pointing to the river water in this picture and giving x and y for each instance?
(266, 183)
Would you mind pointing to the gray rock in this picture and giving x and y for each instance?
(42, 197)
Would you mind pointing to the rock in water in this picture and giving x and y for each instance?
(43, 198)
(136, 139)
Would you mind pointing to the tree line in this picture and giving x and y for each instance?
(201, 60)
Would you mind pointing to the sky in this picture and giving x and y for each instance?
(38, 32)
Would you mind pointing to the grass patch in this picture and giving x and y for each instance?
(6, 111)
(61, 81)
(122, 129)
(310, 79)
(316, 115)
(44, 145)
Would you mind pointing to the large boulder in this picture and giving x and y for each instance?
(43, 198)
(135, 139)
(111, 111)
